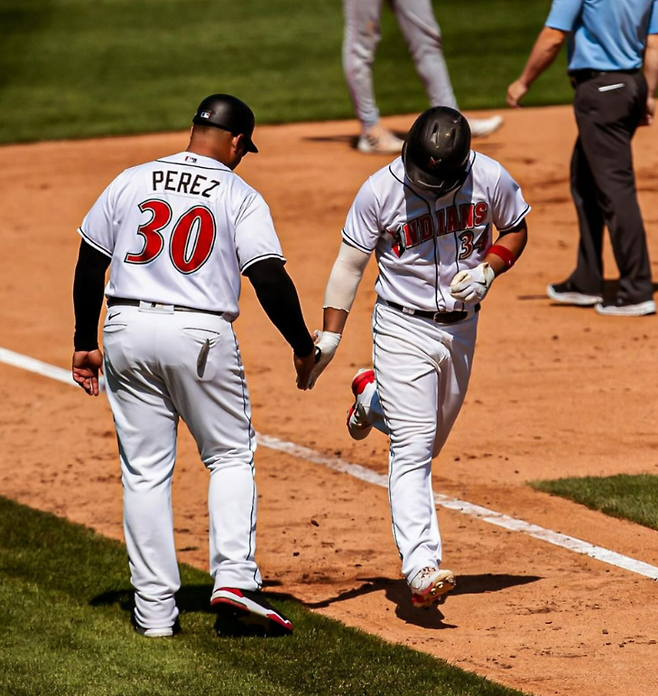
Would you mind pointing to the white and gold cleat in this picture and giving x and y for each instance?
(429, 585)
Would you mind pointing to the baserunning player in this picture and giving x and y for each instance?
(429, 218)
(177, 234)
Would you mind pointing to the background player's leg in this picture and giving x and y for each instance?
(206, 380)
(361, 36)
(360, 39)
(423, 36)
(146, 424)
(407, 383)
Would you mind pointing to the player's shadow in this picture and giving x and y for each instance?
(196, 598)
(397, 592)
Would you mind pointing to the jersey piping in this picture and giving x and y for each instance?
(94, 244)
(437, 286)
(251, 262)
(197, 166)
(355, 243)
(516, 222)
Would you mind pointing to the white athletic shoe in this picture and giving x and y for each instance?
(167, 632)
(567, 294)
(617, 309)
(358, 423)
(429, 585)
(379, 141)
(484, 126)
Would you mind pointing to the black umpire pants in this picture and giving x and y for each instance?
(609, 107)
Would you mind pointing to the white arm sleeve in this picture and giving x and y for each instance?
(345, 277)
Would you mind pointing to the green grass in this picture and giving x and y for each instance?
(64, 630)
(80, 68)
(633, 498)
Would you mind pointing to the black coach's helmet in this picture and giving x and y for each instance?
(437, 150)
(228, 113)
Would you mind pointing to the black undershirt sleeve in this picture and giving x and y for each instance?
(88, 285)
(277, 295)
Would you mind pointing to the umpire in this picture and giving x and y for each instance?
(613, 66)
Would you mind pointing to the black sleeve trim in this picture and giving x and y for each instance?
(277, 295)
(88, 285)
(516, 222)
(257, 259)
(355, 244)
(94, 244)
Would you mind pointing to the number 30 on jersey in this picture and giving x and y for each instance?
(191, 238)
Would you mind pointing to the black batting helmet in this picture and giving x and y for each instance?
(437, 150)
(228, 113)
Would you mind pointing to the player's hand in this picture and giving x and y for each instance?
(326, 343)
(649, 112)
(472, 286)
(303, 367)
(515, 92)
(86, 365)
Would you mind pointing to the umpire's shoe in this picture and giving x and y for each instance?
(568, 294)
(618, 308)
(243, 612)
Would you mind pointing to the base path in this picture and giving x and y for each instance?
(556, 391)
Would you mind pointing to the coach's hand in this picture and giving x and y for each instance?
(303, 367)
(86, 365)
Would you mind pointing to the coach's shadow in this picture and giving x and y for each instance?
(397, 592)
(192, 599)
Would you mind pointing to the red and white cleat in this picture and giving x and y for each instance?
(358, 423)
(247, 612)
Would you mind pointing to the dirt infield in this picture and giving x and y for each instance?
(555, 391)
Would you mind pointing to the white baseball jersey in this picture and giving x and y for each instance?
(180, 231)
(422, 242)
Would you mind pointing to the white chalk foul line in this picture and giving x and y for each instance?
(466, 508)
(31, 365)
(363, 474)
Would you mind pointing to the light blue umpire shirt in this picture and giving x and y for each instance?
(605, 34)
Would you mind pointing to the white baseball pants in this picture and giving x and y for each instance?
(160, 365)
(422, 371)
(423, 37)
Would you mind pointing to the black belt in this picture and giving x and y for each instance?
(438, 317)
(114, 301)
(577, 77)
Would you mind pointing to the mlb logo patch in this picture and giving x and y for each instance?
(204, 114)
(190, 159)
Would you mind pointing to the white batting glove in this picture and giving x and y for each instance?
(472, 286)
(327, 342)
